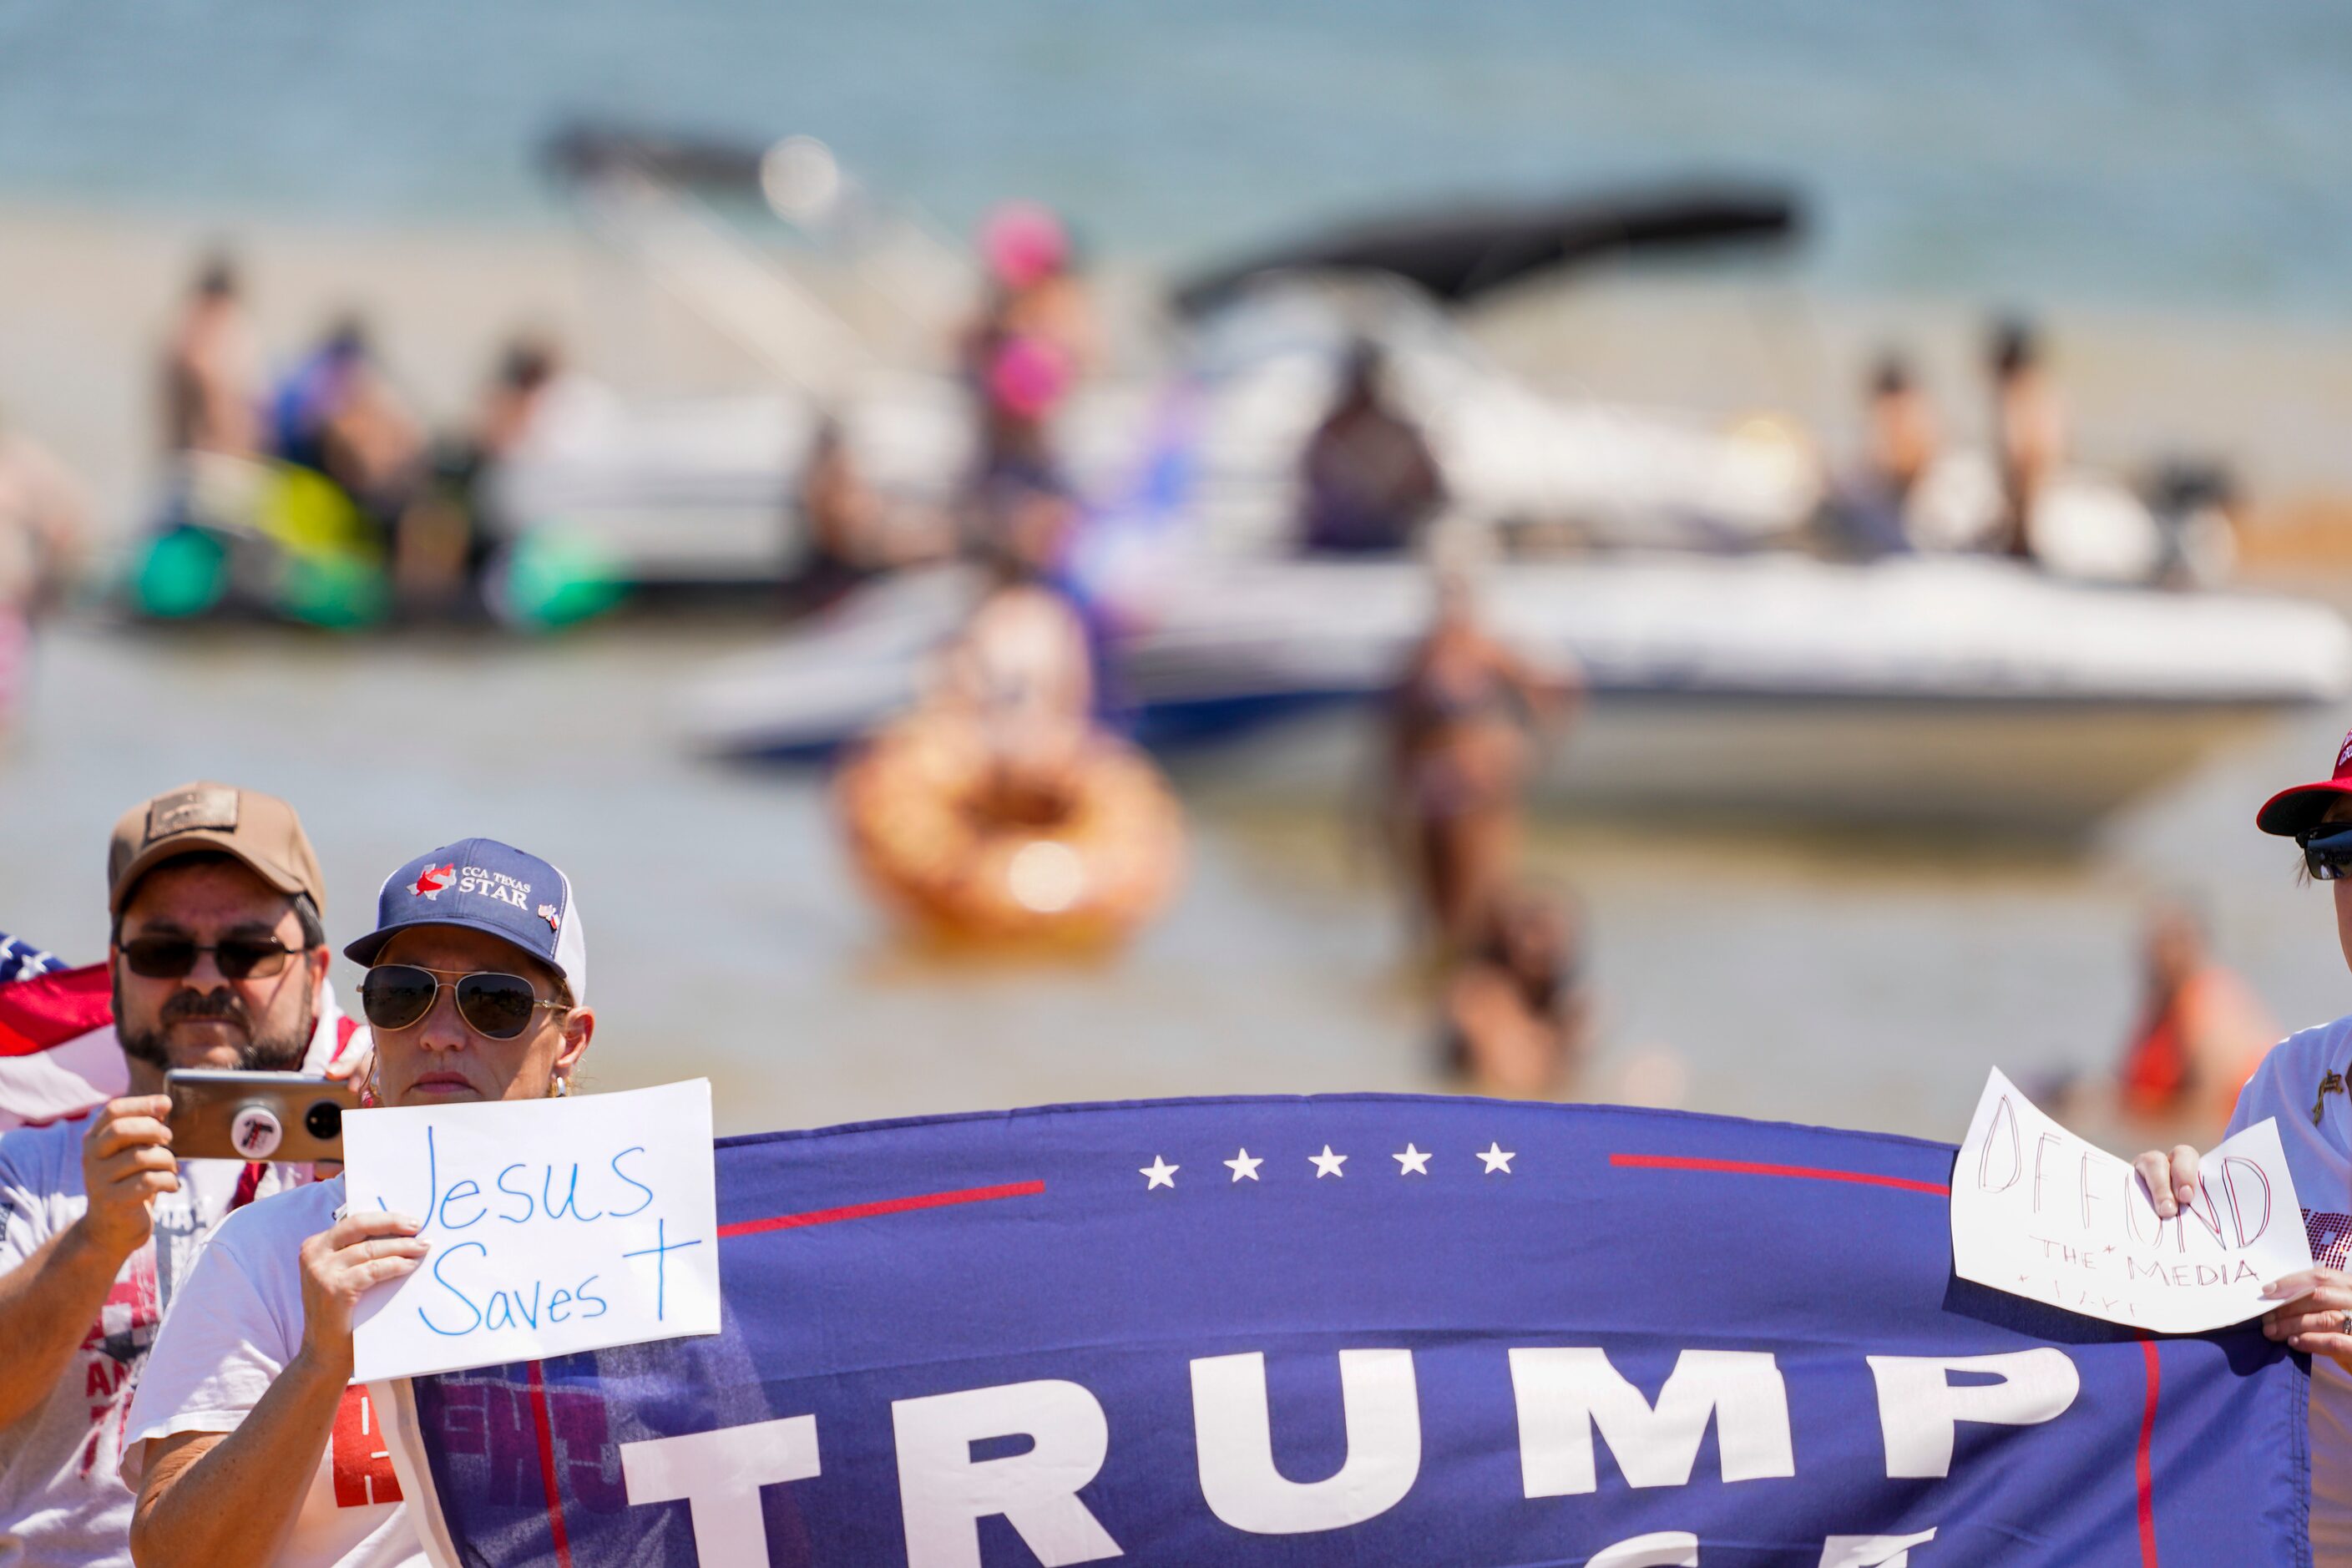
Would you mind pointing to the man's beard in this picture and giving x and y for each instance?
(264, 1051)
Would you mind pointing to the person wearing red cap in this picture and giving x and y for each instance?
(2301, 1084)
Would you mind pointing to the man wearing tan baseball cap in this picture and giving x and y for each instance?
(218, 959)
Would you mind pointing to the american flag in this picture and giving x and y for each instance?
(58, 1053)
(20, 960)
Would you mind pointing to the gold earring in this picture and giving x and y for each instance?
(560, 1087)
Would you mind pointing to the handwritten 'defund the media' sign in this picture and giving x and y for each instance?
(555, 1225)
(2038, 1211)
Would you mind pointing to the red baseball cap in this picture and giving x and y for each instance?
(2291, 811)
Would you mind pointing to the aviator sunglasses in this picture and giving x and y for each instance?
(174, 957)
(495, 1006)
(2328, 850)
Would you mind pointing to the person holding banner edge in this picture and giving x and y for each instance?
(2302, 1083)
(476, 991)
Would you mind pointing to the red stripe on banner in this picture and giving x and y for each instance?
(886, 1206)
(2144, 1464)
(547, 1467)
(1747, 1168)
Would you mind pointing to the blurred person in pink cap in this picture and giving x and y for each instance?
(1033, 340)
(2300, 1085)
(1034, 288)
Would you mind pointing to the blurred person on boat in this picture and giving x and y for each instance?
(1035, 290)
(1467, 720)
(338, 415)
(1369, 483)
(1869, 513)
(851, 532)
(44, 527)
(241, 1436)
(2029, 429)
(1033, 339)
(212, 371)
(1516, 1018)
(444, 535)
(2300, 1085)
(217, 960)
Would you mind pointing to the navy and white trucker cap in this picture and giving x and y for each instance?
(485, 886)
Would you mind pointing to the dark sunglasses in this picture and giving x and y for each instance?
(2328, 850)
(174, 957)
(495, 1006)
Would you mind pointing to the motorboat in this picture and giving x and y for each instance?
(1234, 367)
(1940, 688)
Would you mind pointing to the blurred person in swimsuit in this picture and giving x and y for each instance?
(2029, 427)
(1033, 339)
(1023, 669)
(43, 522)
(212, 371)
(1034, 289)
(1516, 1018)
(1370, 482)
(1464, 723)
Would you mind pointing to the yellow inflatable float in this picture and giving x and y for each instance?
(951, 841)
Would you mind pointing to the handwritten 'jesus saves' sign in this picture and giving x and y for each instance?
(1362, 1331)
(555, 1225)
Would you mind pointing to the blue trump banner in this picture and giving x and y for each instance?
(1361, 1329)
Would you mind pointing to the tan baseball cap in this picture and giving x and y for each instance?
(259, 829)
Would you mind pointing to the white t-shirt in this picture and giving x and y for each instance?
(234, 1326)
(2302, 1084)
(63, 1500)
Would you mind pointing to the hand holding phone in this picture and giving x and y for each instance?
(126, 1161)
(273, 1116)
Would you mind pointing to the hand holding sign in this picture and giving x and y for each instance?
(2037, 1212)
(553, 1225)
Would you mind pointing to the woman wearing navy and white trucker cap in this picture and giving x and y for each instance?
(477, 989)
(2302, 1084)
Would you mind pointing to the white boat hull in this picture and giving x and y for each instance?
(1932, 691)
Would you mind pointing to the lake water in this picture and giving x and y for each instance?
(2007, 150)
(1808, 977)
(2181, 159)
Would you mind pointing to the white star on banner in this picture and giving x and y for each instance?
(1412, 1162)
(1327, 1163)
(1243, 1165)
(1497, 1158)
(1159, 1174)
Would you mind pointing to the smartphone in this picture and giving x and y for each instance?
(275, 1116)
